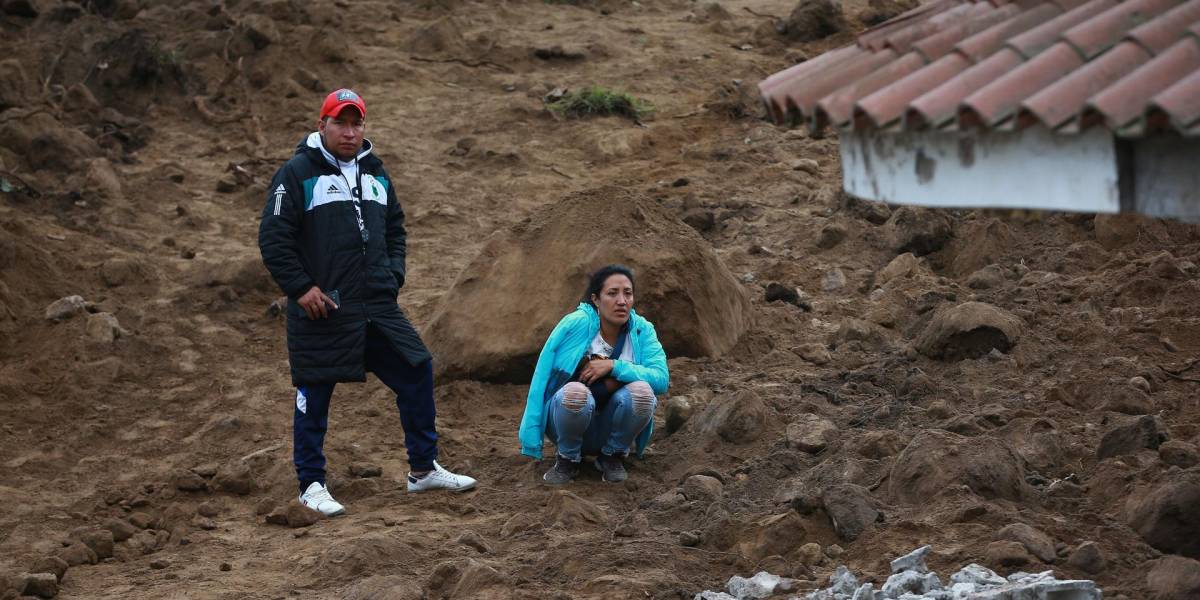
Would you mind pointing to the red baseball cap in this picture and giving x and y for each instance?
(339, 99)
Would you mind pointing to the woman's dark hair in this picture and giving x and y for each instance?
(596, 280)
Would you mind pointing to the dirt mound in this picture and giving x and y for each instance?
(486, 330)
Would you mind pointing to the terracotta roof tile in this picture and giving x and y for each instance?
(1163, 31)
(1131, 66)
(1122, 103)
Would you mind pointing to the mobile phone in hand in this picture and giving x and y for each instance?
(337, 300)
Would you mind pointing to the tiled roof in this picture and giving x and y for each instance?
(1131, 66)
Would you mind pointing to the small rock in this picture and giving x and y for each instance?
(810, 433)
(635, 525)
(1140, 383)
(1088, 557)
(260, 30)
(969, 330)
(188, 481)
(700, 220)
(910, 582)
(78, 554)
(159, 564)
(814, 353)
(703, 488)
(299, 515)
(736, 419)
(51, 564)
(977, 575)
(830, 236)
(226, 567)
(204, 523)
(991, 276)
(1144, 432)
(842, 581)
(209, 509)
(850, 508)
(1174, 577)
(810, 554)
(1179, 453)
(278, 516)
(833, 280)
(682, 181)
(917, 230)
(689, 538)
(65, 308)
(474, 540)
(365, 470)
(678, 410)
(120, 529)
(42, 585)
(103, 327)
(762, 585)
(913, 561)
(1038, 543)
(807, 165)
(1007, 554)
(777, 292)
(903, 266)
(234, 477)
(834, 551)
(100, 541)
(1166, 515)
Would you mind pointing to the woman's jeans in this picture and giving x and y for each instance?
(578, 428)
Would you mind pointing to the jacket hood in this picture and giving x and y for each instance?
(313, 142)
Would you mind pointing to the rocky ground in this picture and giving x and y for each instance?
(852, 380)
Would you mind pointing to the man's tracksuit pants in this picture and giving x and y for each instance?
(414, 399)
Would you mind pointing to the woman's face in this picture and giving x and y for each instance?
(615, 299)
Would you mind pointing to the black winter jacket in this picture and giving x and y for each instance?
(309, 235)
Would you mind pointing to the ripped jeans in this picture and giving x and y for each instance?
(577, 429)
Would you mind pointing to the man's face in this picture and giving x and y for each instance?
(343, 133)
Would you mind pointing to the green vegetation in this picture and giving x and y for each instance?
(596, 100)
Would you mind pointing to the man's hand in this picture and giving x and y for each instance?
(314, 302)
(595, 370)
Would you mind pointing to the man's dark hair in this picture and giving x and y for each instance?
(596, 280)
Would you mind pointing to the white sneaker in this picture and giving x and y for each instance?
(440, 479)
(317, 498)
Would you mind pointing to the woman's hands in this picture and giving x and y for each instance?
(595, 370)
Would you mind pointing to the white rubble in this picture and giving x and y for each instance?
(762, 585)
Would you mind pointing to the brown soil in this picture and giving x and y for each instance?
(138, 145)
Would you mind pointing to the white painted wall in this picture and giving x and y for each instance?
(1029, 169)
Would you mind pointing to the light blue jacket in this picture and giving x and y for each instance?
(567, 345)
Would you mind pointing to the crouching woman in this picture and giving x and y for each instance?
(594, 388)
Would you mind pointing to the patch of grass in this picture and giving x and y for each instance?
(596, 100)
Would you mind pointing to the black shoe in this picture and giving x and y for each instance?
(563, 471)
(612, 467)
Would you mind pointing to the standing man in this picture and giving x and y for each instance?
(332, 236)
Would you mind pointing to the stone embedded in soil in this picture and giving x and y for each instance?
(42, 585)
(277, 515)
(159, 564)
(364, 470)
(65, 308)
(777, 534)
(210, 508)
(703, 488)
(969, 330)
(831, 235)
(989, 277)
(1167, 516)
(736, 419)
(1038, 543)
(678, 410)
(78, 554)
(1128, 400)
(697, 305)
(100, 541)
(850, 508)
(141, 520)
(634, 525)
(1088, 557)
(474, 540)
(571, 510)
(935, 460)
(810, 433)
(812, 20)
(299, 515)
(833, 280)
(234, 477)
(814, 353)
(1179, 453)
(121, 529)
(1007, 554)
(1174, 578)
(917, 230)
(188, 481)
(520, 523)
(51, 564)
(1130, 437)
(902, 266)
(913, 561)
(103, 328)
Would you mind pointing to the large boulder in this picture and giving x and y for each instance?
(935, 460)
(1174, 577)
(493, 321)
(969, 330)
(1168, 516)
